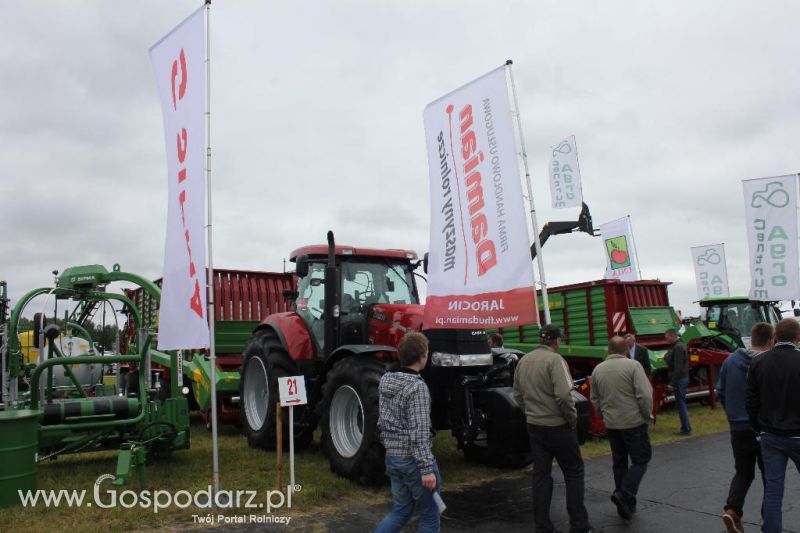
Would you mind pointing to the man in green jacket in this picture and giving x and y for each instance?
(542, 387)
(622, 395)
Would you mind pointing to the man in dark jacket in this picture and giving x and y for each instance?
(678, 365)
(773, 407)
(731, 386)
(638, 353)
(404, 419)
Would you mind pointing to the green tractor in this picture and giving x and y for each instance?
(52, 405)
(733, 317)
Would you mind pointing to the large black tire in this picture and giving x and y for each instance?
(349, 420)
(265, 360)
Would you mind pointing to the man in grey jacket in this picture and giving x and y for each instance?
(678, 365)
(622, 395)
(542, 387)
(404, 419)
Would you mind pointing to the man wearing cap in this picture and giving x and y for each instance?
(542, 387)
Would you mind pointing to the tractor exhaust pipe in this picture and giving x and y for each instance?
(331, 308)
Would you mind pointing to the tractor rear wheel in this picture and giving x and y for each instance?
(349, 420)
(264, 361)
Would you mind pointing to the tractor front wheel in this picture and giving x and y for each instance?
(349, 421)
(264, 361)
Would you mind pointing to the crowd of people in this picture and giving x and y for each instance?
(758, 388)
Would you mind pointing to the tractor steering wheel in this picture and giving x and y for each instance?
(364, 296)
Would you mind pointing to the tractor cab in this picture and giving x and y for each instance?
(367, 292)
(735, 316)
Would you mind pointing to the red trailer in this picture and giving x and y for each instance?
(590, 313)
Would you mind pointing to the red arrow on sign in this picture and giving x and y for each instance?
(293, 401)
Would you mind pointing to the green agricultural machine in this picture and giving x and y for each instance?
(242, 299)
(52, 405)
(734, 316)
(590, 313)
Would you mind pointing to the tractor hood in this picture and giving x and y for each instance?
(388, 323)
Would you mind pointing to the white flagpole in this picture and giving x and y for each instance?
(578, 162)
(212, 348)
(635, 249)
(725, 268)
(539, 261)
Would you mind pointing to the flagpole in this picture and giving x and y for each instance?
(725, 268)
(210, 282)
(537, 243)
(578, 162)
(635, 249)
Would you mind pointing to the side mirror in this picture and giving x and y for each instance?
(302, 266)
(425, 263)
(796, 312)
(389, 285)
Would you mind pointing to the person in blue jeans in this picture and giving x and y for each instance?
(773, 408)
(623, 397)
(731, 387)
(678, 366)
(404, 420)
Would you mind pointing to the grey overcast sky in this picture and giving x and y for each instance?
(317, 124)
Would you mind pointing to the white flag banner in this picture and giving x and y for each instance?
(179, 64)
(565, 175)
(620, 252)
(480, 272)
(771, 217)
(710, 270)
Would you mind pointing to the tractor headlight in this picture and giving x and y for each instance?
(444, 359)
(452, 359)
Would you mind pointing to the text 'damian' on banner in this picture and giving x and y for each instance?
(479, 271)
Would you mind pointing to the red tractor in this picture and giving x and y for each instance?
(351, 308)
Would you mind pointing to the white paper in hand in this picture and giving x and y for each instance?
(439, 502)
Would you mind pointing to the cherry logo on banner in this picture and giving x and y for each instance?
(619, 256)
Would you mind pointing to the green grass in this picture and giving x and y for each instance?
(245, 468)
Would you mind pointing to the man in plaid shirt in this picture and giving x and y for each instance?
(405, 423)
